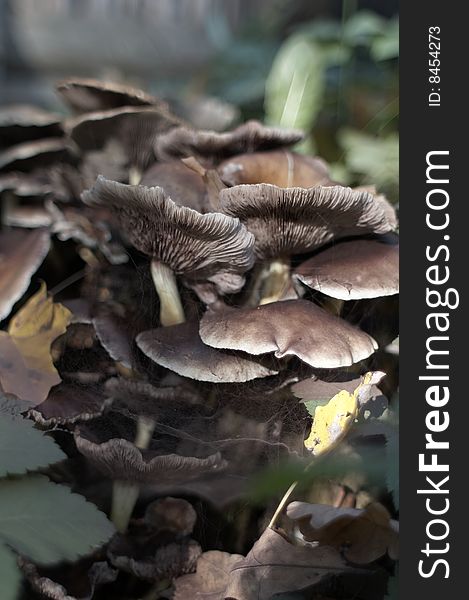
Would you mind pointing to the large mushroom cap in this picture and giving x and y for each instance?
(21, 254)
(213, 247)
(21, 123)
(278, 167)
(292, 327)
(180, 349)
(353, 270)
(87, 95)
(289, 221)
(249, 137)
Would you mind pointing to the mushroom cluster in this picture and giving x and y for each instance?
(216, 268)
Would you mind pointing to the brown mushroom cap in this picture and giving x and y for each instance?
(134, 127)
(291, 327)
(249, 137)
(69, 403)
(353, 270)
(21, 254)
(180, 349)
(39, 153)
(183, 185)
(87, 95)
(122, 460)
(278, 167)
(289, 221)
(213, 247)
(21, 123)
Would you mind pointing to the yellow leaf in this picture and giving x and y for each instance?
(26, 367)
(332, 421)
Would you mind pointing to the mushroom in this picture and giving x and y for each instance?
(183, 185)
(22, 123)
(133, 127)
(288, 221)
(39, 153)
(249, 137)
(292, 327)
(130, 464)
(353, 270)
(278, 167)
(21, 254)
(211, 247)
(180, 349)
(88, 95)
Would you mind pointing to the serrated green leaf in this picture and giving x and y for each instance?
(47, 523)
(10, 575)
(295, 85)
(24, 448)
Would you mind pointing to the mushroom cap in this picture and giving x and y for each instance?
(69, 403)
(289, 221)
(278, 167)
(213, 247)
(87, 95)
(120, 459)
(180, 349)
(291, 327)
(183, 185)
(39, 153)
(21, 123)
(249, 137)
(353, 270)
(134, 127)
(21, 254)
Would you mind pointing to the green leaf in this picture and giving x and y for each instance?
(10, 575)
(24, 448)
(47, 523)
(362, 27)
(295, 85)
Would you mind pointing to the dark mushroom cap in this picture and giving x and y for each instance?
(278, 167)
(292, 327)
(120, 459)
(21, 123)
(213, 247)
(305, 218)
(134, 127)
(87, 95)
(249, 137)
(180, 349)
(353, 270)
(21, 254)
(39, 153)
(69, 403)
(183, 185)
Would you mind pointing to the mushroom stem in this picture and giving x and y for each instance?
(135, 175)
(171, 310)
(272, 281)
(125, 493)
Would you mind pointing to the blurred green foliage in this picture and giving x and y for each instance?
(337, 79)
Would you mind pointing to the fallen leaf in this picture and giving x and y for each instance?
(364, 534)
(26, 367)
(332, 422)
(273, 566)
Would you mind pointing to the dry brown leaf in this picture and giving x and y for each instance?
(364, 534)
(273, 566)
(26, 367)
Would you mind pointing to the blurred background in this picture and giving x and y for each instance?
(327, 66)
